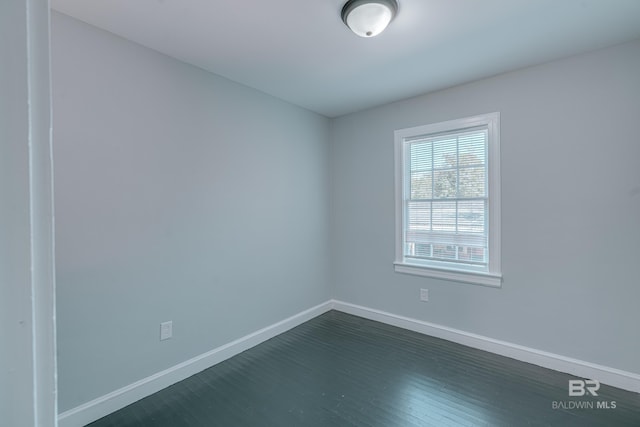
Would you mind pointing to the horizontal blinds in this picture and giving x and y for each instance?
(446, 203)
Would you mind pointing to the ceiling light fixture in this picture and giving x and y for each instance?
(368, 18)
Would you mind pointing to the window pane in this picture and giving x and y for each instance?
(422, 250)
(472, 149)
(445, 152)
(471, 216)
(421, 156)
(472, 182)
(444, 185)
(421, 185)
(419, 214)
(471, 254)
(444, 216)
(446, 252)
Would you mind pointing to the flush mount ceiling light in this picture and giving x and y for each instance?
(368, 18)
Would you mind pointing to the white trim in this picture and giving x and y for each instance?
(495, 200)
(41, 197)
(615, 377)
(493, 275)
(476, 278)
(111, 402)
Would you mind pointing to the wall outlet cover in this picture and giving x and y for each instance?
(166, 330)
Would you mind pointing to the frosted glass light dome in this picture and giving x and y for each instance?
(368, 18)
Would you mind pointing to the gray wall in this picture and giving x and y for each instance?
(179, 196)
(570, 209)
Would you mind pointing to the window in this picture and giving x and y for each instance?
(448, 200)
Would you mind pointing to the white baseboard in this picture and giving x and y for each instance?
(104, 405)
(606, 375)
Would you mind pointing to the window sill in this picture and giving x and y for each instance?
(484, 279)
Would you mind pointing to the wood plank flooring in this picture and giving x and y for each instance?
(341, 370)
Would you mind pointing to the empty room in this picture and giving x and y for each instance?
(320, 213)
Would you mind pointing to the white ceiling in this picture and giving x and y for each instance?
(300, 51)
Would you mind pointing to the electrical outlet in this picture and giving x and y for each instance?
(424, 294)
(166, 330)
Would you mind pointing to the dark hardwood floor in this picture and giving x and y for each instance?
(342, 370)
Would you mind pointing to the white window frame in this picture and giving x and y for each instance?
(492, 274)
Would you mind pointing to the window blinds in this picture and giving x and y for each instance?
(446, 200)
